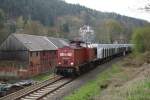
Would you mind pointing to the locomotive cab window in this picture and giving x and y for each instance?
(66, 54)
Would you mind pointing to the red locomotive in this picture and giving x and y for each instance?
(75, 59)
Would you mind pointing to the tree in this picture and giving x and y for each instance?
(2, 26)
(113, 29)
(20, 23)
(141, 38)
(35, 28)
(2, 19)
(73, 16)
(52, 31)
(65, 28)
(146, 6)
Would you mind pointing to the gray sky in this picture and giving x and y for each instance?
(123, 7)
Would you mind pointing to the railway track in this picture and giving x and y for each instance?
(40, 94)
(31, 89)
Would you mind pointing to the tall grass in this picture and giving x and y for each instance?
(93, 87)
(139, 91)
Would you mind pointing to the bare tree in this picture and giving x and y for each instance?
(146, 7)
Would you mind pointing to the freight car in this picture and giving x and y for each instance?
(107, 52)
(76, 59)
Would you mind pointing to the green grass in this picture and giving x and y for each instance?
(93, 87)
(42, 77)
(139, 91)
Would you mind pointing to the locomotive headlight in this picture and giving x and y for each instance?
(59, 63)
(71, 63)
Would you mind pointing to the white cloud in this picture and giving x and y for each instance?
(123, 7)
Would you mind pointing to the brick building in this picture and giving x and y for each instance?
(23, 55)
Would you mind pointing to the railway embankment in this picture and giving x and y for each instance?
(128, 79)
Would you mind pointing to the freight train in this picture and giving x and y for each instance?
(80, 57)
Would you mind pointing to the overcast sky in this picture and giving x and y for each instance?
(123, 7)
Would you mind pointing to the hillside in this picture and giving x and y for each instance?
(59, 19)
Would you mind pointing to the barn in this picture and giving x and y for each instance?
(23, 55)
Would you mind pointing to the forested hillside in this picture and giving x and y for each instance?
(59, 19)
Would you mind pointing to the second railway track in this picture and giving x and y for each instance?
(40, 94)
(38, 91)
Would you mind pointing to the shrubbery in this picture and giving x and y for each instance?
(141, 39)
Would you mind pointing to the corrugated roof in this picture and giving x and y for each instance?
(58, 42)
(35, 43)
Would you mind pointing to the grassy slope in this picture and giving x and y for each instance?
(93, 87)
(123, 81)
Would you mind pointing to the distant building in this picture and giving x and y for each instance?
(28, 55)
(120, 40)
(87, 33)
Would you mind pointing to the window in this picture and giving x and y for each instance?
(31, 63)
(30, 54)
(37, 53)
(43, 53)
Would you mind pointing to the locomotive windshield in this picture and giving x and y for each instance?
(66, 54)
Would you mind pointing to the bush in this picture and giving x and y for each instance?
(140, 38)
